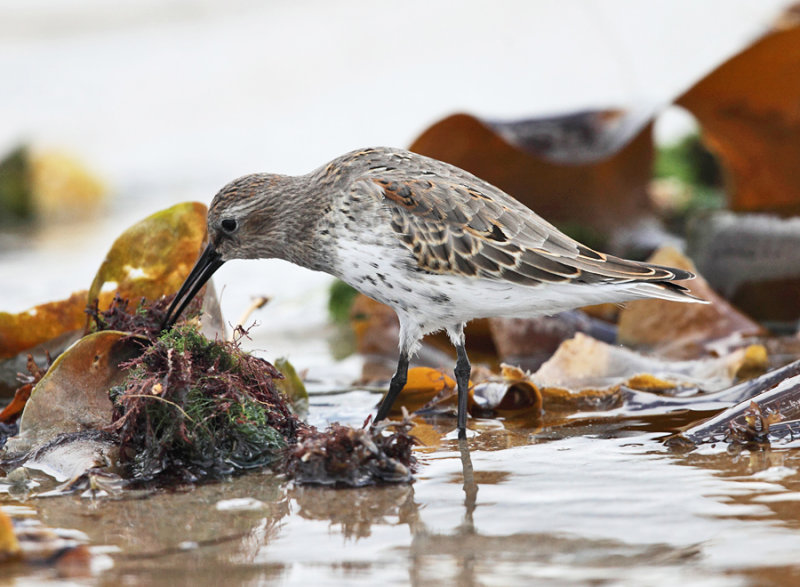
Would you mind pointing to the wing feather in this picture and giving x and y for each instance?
(455, 223)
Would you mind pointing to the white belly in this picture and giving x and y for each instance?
(435, 301)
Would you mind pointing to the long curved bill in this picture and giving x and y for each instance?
(205, 267)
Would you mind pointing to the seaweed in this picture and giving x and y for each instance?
(145, 320)
(340, 301)
(186, 408)
(342, 455)
(755, 427)
(16, 199)
(192, 407)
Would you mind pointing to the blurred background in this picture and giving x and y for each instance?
(115, 111)
(163, 101)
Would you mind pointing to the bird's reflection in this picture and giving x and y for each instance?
(354, 511)
(470, 487)
(466, 573)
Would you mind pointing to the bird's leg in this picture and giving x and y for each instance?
(395, 386)
(462, 372)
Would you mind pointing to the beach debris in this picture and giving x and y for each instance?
(512, 394)
(191, 407)
(766, 409)
(752, 260)
(660, 326)
(529, 342)
(73, 395)
(584, 362)
(354, 457)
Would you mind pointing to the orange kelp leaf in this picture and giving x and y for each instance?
(423, 385)
(9, 546)
(428, 388)
(511, 395)
(562, 187)
(12, 410)
(152, 257)
(748, 111)
(755, 362)
(585, 363)
(647, 382)
(73, 394)
(679, 329)
(19, 332)
(63, 188)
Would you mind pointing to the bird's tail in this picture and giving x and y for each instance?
(667, 290)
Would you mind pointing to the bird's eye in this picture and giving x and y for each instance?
(229, 224)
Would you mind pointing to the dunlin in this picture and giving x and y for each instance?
(437, 244)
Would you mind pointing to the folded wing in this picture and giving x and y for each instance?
(454, 223)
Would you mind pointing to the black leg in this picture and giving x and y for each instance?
(462, 372)
(395, 387)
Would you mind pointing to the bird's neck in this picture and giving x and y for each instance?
(297, 222)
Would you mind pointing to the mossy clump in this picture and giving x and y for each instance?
(192, 407)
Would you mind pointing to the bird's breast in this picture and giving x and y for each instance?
(384, 270)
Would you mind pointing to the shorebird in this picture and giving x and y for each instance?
(434, 242)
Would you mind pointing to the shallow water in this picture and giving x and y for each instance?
(597, 503)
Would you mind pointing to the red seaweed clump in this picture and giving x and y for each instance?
(194, 407)
(145, 320)
(342, 455)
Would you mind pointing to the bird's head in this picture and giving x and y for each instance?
(242, 221)
(244, 217)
